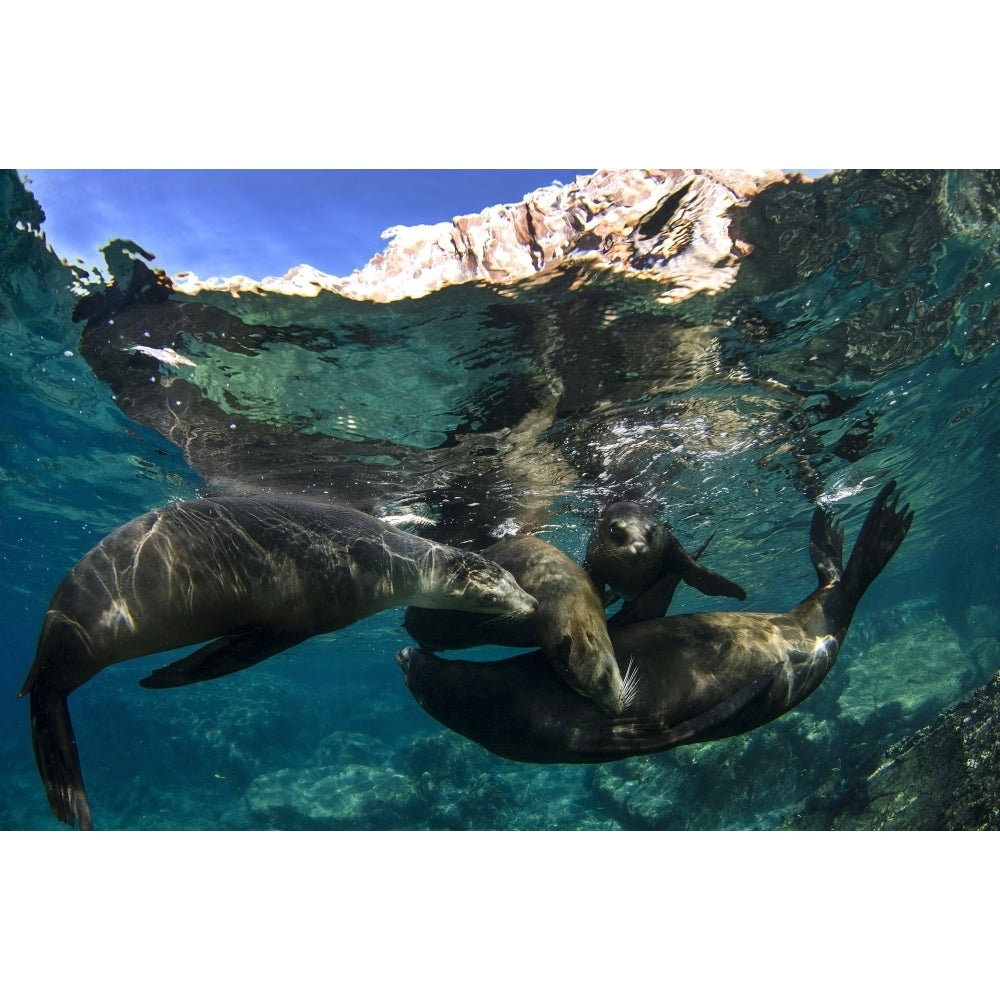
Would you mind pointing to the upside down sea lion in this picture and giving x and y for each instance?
(701, 676)
(261, 574)
(569, 624)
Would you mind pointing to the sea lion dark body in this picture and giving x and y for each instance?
(262, 574)
(635, 555)
(701, 676)
(569, 625)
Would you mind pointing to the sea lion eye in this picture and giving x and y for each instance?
(616, 530)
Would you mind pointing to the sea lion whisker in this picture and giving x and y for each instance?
(568, 622)
(508, 616)
(630, 683)
(480, 621)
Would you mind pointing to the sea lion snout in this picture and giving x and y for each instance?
(607, 688)
(404, 657)
(625, 550)
(530, 604)
(407, 660)
(588, 665)
(485, 587)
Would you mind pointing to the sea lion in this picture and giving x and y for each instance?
(701, 676)
(569, 624)
(264, 574)
(640, 559)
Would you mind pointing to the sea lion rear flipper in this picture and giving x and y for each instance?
(224, 656)
(57, 757)
(883, 531)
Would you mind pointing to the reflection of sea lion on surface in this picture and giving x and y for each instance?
(263, 575)
(569, 624)
(700, 676)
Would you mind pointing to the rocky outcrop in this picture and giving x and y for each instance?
(944, 777)
(673, 224)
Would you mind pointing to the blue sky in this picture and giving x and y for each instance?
(261, 222)
(218, 223)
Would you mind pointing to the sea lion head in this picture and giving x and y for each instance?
(471, 582)
(585, 659)
(630, 550)
(626, 548)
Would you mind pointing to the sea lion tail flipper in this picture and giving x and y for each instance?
(224, 656)
(57, 757)
(826, 547)
(882, 533)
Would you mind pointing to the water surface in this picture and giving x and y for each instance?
(851, 351)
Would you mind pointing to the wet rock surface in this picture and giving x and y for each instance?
(355, 797)
(944, 777)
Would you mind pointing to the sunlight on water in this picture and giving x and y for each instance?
(488, 414)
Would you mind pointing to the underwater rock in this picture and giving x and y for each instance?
(218, 734)
(355, 797)
(921, 668)
(135, 804)
(747, 778)
(454, 780)
(466, 788)
(639, 791)
(985, 655)
(444, 755)
(944, 777)
(348, 748)
(264, 720)
(982, 621)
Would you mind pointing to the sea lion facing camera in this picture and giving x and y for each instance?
(701, 676)
(640, 559)
(262, 574)
(569, 624)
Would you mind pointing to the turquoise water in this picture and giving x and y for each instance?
(859, 349)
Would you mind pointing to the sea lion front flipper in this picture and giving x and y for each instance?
(655, 600)
(651, 603)
(224, 656)
(695, 575)
(610, 597)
